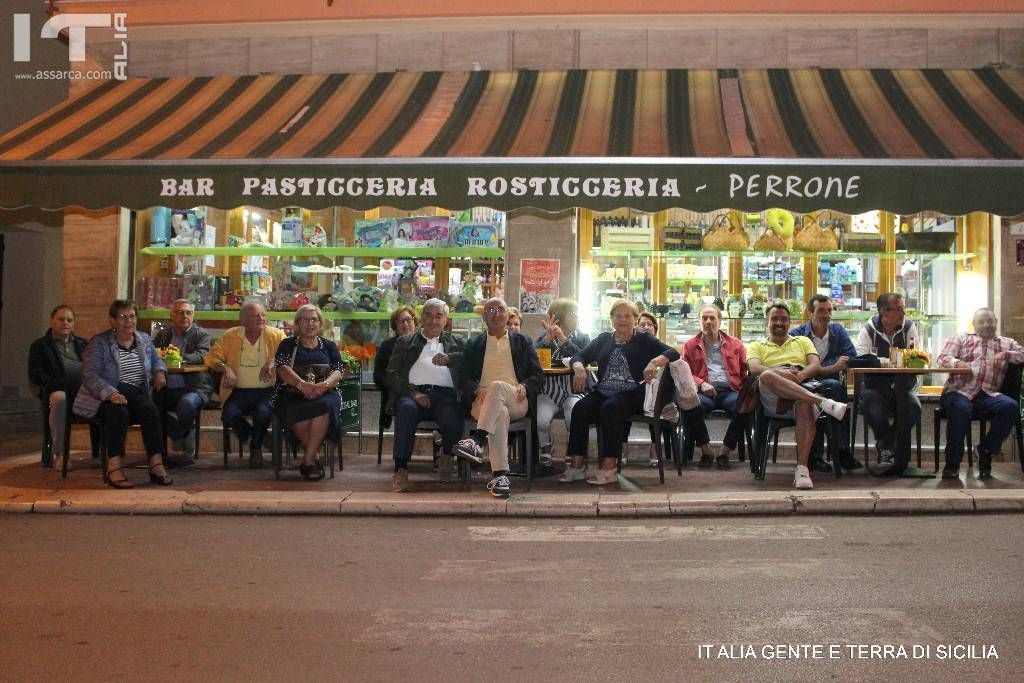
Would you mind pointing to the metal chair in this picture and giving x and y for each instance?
(1011, 387)
(328, 449)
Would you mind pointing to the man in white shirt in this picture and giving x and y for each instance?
(420, 378)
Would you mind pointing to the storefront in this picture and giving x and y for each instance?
(669, 178)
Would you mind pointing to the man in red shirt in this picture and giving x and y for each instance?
(964, 396)
(717, 363)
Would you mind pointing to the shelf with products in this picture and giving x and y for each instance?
(337, 258)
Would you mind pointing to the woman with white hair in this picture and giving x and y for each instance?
(309, 369)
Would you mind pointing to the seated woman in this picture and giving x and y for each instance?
(515, 320)
(565, 341)
(312, 402)
(55, 366)
(646, 324)
(120, 370)
(626, 360)
(403, 322)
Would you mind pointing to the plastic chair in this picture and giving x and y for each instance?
(669, 430)
(277, 432)
(517, 429)
(744, 444)
(1011, 387)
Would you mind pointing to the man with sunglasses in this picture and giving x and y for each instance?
(185, 394)
(500, 375)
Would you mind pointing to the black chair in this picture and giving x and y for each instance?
(521, 429)
(742, 446)
(858, 379)
(278, 437)
(766, 430)
(46, 454)
(668, 430)
(1011, 387)
(96, 436)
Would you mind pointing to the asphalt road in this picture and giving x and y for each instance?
(458, 599)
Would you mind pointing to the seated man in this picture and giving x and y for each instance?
(500, 374)
(782, 363)
(245, 357)
(185, 394)
(835, 349)
(889, 402)
(422, 387)
(717, 363)
(964, 396)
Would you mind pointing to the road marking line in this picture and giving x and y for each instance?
(653, 570)
(648, 533)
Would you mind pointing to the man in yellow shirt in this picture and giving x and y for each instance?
(782, 363)
(244, 356)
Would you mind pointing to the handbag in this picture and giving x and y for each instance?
(749, 395)
(309, 372)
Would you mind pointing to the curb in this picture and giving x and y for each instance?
(842, 502)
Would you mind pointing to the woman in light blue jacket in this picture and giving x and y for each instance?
(120, 369)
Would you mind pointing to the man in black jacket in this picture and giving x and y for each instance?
(185, 393)
(421, 380)
(501, 376)
(55, 366)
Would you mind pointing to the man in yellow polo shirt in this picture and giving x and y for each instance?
(782, 363)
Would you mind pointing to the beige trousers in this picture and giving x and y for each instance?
(493, 414)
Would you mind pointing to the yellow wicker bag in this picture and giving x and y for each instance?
(811, 236)
(770, 241)
(724, 236)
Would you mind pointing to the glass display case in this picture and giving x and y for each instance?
(358, 267)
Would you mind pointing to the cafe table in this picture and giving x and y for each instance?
(901, 466)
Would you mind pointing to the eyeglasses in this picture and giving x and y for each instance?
(309, 320)
(494, 310)
(127, 316)
(183, 311)
(405, 320)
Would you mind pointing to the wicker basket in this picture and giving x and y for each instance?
(769, 241)
(724, 236)
(813, 237)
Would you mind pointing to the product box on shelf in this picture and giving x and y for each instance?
(160, 292)
(291, 231)
(374, 232)
(422, 231)
(620, 237)
(200, 291)
(474, 235)
(189, 226)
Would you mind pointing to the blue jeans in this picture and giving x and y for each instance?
(959, 411)
(186, 405)
(723, 400)
(444, 409)
(242, 402)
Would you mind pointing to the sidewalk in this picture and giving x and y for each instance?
(363, 488)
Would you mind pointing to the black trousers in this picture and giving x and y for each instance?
(609, 413)
(139, 409)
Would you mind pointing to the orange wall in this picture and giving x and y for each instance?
(204, 11)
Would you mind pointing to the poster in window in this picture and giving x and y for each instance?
(538, 284)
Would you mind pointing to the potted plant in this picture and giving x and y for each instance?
(915, 358)
(171, 355)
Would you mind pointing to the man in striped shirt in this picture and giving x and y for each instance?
(965, 396)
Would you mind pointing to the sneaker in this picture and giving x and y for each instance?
(470, 450)
(951, 471)
(834, 408)
(545, 459)
(604, 477)
(706, 461)
(189, 446)
(984, 463)
(400, 481)
(572, 474)
(886, 458)
(500, 486)
(444, 468)
(802, 478)
(722, 462)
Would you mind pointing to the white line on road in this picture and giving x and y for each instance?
(666, 571)
(590, 533)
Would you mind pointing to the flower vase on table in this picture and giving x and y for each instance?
(171, 356)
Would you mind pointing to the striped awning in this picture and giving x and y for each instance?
(942, 136)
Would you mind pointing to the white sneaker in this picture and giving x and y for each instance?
(604, 477)
(469, 449)
(834, 408)
(572, 474)
(802, 478)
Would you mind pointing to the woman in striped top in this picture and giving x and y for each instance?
(562, 336)
(120, 369)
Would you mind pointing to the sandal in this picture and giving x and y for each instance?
(314, 472)
(122, 483)
(161, 479)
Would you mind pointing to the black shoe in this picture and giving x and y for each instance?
(819, 465)
(951, 471)
(314, 472)
(161, 479)
(848, 462)
(984, 463)
(122, 483)
(706, 461)
(722, 462)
